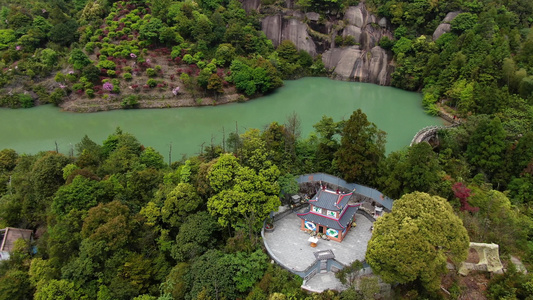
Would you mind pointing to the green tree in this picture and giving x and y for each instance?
(110, 223)
(225, 54)
(64, 33)
(57, 289)
(288, 184)
(197, 235)
(249, 196)
(248, 268)
(180, 203)
(328, 143)
(215, 84)
(64, 237)
(152, 159)
(176, 284)
(150, 30)
(15, 285)
(78, 59)
(417, 169)
(212, 272)
(414, 241)
(362, 149)
(464, 21)
(8, 159)
(81, 194)
(487, 146)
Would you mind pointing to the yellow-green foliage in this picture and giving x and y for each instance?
(414, 241)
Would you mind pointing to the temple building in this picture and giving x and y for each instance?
(329, 214)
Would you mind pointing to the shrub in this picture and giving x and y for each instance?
(72, 77)
(188, 59)
(111, 73)
(151, 83)
(25, 100)
(108, 86)
(60, 77)
(89, 47)
(338, 40)
(158, 68)
(90, 93)
(175, 53)
(57, 96)
(107, 64)
(130, 101)
(77, 86)
(127, 76)
(150, 72)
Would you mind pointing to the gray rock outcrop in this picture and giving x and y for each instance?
(250, 5)
(444, 26)
(352, 63)
(365, 62)
(278, 29)
(441, 29)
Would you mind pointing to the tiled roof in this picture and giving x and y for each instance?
(10, 235)
(331, 223)
(325, 254)
(330, 200)
(347, 217)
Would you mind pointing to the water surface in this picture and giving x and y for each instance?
(397, 112)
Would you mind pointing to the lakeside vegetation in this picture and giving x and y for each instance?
(127, 51)
(114, 221)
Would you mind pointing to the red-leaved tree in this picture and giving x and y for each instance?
(462, 192)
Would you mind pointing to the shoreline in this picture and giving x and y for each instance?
(99, 105)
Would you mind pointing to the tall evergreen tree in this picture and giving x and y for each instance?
(362, 148)
(487, 147)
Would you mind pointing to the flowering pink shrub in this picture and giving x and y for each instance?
(108, 86)
(175, 91)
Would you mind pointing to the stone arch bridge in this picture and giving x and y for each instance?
(427, 133)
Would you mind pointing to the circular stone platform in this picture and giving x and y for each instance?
(291, 248)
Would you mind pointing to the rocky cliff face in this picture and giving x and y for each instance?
(365, 61)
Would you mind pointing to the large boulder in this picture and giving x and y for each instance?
(444, 26)
(352, 63)
(450, 16)
(352, 30)
(354, 15)
(250, 5)
(278, 29)
(441, 29)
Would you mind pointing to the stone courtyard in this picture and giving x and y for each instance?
(289, 246)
